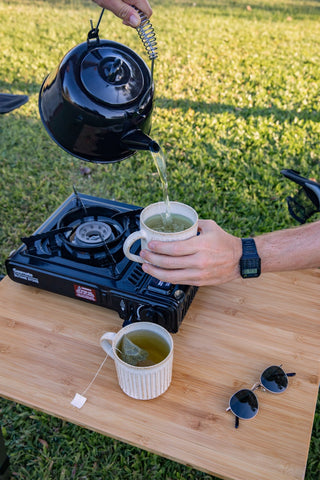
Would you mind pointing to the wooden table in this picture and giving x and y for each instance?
(49, 350)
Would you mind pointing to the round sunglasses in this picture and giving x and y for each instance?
(244, 403)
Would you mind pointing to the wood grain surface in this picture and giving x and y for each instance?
(49, 350)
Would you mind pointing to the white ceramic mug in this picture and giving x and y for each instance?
(142, 383)
(145, 234)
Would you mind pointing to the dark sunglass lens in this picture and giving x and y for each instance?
(274, 379)
(244, 404)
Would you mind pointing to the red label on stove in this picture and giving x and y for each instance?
(85, 292)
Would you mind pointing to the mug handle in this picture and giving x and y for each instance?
(133, 237)
(106, 343)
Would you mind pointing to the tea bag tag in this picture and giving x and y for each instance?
(79, 399)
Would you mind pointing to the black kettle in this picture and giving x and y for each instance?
(97, 104)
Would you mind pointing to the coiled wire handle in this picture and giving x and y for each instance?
(148, 37)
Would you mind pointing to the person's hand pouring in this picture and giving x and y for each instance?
(126, 11)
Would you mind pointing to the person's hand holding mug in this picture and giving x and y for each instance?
(211, 258)
(125, 10)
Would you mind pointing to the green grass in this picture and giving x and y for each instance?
(237, 100)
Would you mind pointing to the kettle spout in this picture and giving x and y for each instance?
(137, 140)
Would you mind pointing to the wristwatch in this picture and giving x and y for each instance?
(250, 262)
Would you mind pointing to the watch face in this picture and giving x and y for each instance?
(250, 267)
(250, 271)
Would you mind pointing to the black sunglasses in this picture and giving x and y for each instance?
(244, 403)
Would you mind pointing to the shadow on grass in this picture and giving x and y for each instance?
(245, 112)
(19, 86)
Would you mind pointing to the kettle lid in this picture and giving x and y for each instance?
(113, 74)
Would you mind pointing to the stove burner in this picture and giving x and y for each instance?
(93, 232)
(92, 235)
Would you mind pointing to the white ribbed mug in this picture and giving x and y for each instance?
(145, 234)
(142, 383)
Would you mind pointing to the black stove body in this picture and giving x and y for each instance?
(78, 252)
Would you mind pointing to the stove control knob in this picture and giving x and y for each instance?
(150, 314)
(179, 294)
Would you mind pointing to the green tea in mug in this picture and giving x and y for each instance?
(142, 348)
(175, 222)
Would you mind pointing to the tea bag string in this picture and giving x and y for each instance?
(79, 399)
(97, 373)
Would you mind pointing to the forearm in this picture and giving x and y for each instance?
(290, 249)
(213, 257)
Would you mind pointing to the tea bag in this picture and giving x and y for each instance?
(131, 353)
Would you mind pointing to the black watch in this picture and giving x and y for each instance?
(250, 262)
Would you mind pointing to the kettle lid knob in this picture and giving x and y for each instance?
(113, 75)
(115, 70)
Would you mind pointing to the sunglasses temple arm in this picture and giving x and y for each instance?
(236, 423)
(290, 374)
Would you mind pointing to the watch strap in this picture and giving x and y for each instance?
(249, 246)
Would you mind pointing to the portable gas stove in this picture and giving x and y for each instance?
(78, 252)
